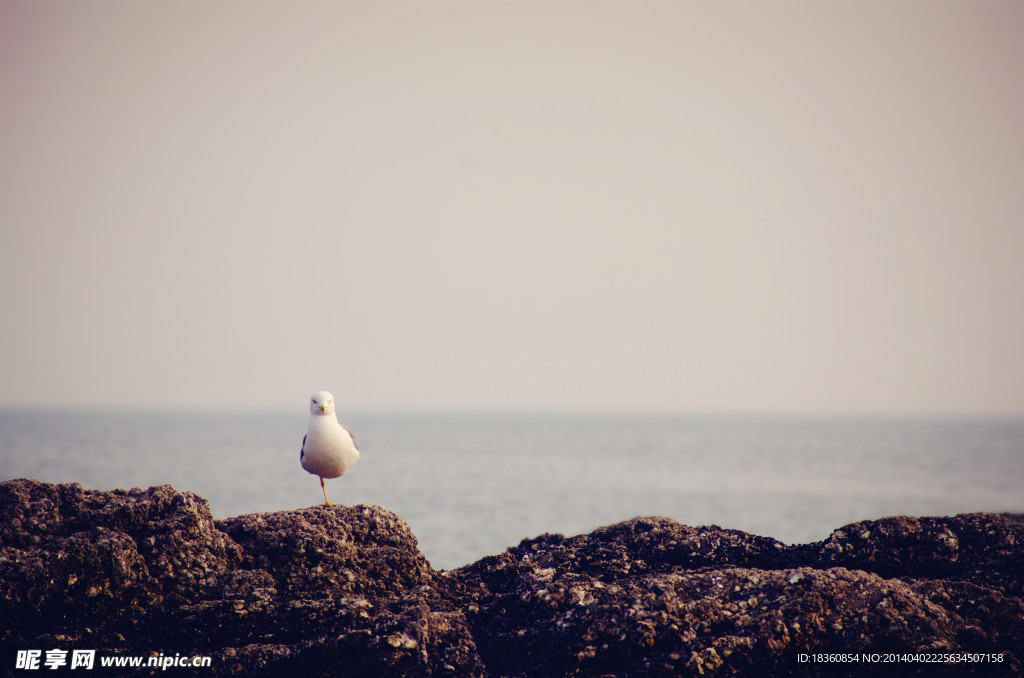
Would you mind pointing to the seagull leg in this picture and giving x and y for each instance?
(327, 502)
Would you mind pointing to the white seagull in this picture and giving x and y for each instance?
(328, 448)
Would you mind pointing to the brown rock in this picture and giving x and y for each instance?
(345, 591)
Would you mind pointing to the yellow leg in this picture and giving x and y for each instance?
(327, 502)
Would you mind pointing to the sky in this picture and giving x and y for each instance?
(605, 206)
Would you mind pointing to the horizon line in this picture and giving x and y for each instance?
(524, 411)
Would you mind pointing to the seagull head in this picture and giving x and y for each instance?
(322, 402)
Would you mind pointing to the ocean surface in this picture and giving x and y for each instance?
(472, 485)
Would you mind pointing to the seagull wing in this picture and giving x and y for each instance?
(302, 451)
(349, 432)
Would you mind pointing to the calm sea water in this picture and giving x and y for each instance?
(470, 486)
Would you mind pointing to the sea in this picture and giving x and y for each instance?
(471, 485)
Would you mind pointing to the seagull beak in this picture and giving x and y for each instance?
(322, 409)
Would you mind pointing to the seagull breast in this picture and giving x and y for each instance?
(329, 450)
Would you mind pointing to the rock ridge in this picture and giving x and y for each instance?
(345, 591)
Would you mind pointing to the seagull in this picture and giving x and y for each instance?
(328, 448)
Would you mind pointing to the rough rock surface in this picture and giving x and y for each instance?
(344, 591)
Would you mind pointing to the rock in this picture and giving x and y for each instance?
(652, 597)
(345, 591)
(323, 591)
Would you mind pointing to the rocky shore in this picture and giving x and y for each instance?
(344, 591)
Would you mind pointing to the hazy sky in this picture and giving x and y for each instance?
(761, 206)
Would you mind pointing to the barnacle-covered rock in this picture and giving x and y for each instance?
(345, 591)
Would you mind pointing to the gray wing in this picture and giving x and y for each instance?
(302, 452)
(350, 435)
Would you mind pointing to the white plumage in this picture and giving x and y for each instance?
(328, 449)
